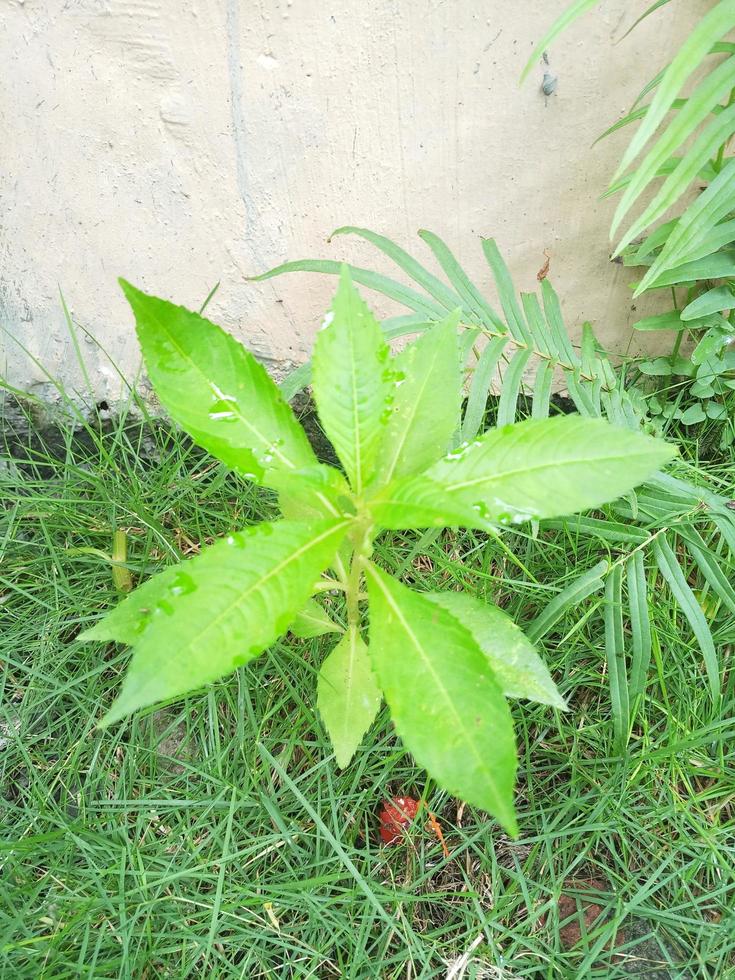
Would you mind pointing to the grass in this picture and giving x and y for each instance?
(216, 837)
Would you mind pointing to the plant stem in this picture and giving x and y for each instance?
(363, 550)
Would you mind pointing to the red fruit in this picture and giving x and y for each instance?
(395, 818)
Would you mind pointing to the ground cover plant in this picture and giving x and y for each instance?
(219, 836)
(444, 662)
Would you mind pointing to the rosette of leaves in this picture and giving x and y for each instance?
(444, 663)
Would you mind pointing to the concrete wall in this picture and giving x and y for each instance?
(182, 143)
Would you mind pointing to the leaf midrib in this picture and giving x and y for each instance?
(242, 596)
(267, 443)
(430, 668)
(499, 477)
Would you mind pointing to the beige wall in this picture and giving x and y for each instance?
(182, 143)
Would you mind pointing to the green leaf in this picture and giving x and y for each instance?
(719, 265)
(691, 230)
(313, 621)
(716, 411)
(200, 621)
(661, 321)
(414, 300)
(713, 301)
(416, 501)
(710, 345)
(673, 575)
(708, 29)
(659, 367)
(548, 468)
(640, 624)
(216, 390)
(511, 387)
(585, 585)
(426, 402)
(693, 415)
(687, 169)
(715, 86)
(445, 701)
(482, 376)
(615, 656)
(433, 286)
(348, 696)
(352, 382)
(312, 493)
(518, 669)
(572, 12)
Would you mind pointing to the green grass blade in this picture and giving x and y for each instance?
(590, 582)
(615, 655)
(640, 624)
(676, 580)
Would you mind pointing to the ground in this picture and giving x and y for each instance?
(216, 837)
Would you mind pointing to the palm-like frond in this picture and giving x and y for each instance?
(670, 527)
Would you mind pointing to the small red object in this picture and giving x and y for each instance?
(395, 818)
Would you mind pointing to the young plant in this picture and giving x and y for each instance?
(444, 662)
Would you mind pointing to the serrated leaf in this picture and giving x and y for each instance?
(445, 701)
(312, 621)
(348, 696)
(217, 611)
(216, 390)
(543, 468)
(517, 666)
(424, 414)
(352, 383)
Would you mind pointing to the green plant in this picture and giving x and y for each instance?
(672, 527)
(683, 142)
(215, 836)
(444, 662)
